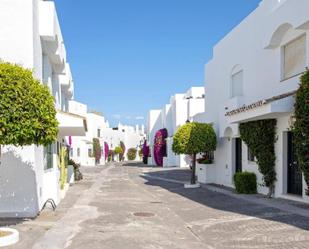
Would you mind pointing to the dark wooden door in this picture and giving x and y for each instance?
(295, 179)
(238, 154)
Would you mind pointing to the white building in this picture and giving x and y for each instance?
(253, 74)
(30, 35)
(98, 127)
(81, 150)
(132, 137)
(181, 108)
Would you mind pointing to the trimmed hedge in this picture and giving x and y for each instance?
(245, 183)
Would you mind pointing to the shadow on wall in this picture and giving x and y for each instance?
(18, 192)
(220, 201)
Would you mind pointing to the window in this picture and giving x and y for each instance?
(99, 133)
(237, 84)
(251, 157)
(78, 152)
(294, 57)
(48, 157)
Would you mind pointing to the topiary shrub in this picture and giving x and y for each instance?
(27, 110)
(260, 136)
(118, 151)
(245, 183)
(194, 138)
(160, 146)
(97, 150)
(301, 126)
(131, 154)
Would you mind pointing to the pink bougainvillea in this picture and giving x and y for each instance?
(160, 146)
(106, 150)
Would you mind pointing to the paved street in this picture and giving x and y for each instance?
(129, 206)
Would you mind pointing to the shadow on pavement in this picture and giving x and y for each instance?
(221, 201)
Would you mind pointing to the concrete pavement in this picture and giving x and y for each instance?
(129, 206)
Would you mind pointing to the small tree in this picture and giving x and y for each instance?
(97, 150)
(192, 139)
(118, 151)
(27, 111)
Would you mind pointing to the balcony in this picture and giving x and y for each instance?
(50, 33)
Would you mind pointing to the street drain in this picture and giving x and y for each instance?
(143, 214)
(156, 202)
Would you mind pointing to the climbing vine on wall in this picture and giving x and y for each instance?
(260, 136)
(123, 147)
(160, 146)
(301, 126)
(96, 150)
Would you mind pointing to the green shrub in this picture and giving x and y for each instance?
(245, 183)
(131, 154)
(27, 110)
(118, 150)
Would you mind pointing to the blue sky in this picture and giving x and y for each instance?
(128, 57)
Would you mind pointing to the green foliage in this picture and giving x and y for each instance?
(194, 138)
(63, 166)
(260, 136)
(118, 150)
(301, 126)
(27, 111)
(97, 149)
(245, 183)
(131, 154)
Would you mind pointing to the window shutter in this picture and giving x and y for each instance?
(294, 57)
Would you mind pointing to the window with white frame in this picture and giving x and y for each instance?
(48, 157)
(237, 84)
(294, 57)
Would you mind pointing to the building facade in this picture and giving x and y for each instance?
(253, 75)
(30, 35)
(181, 109)
(98, 128)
